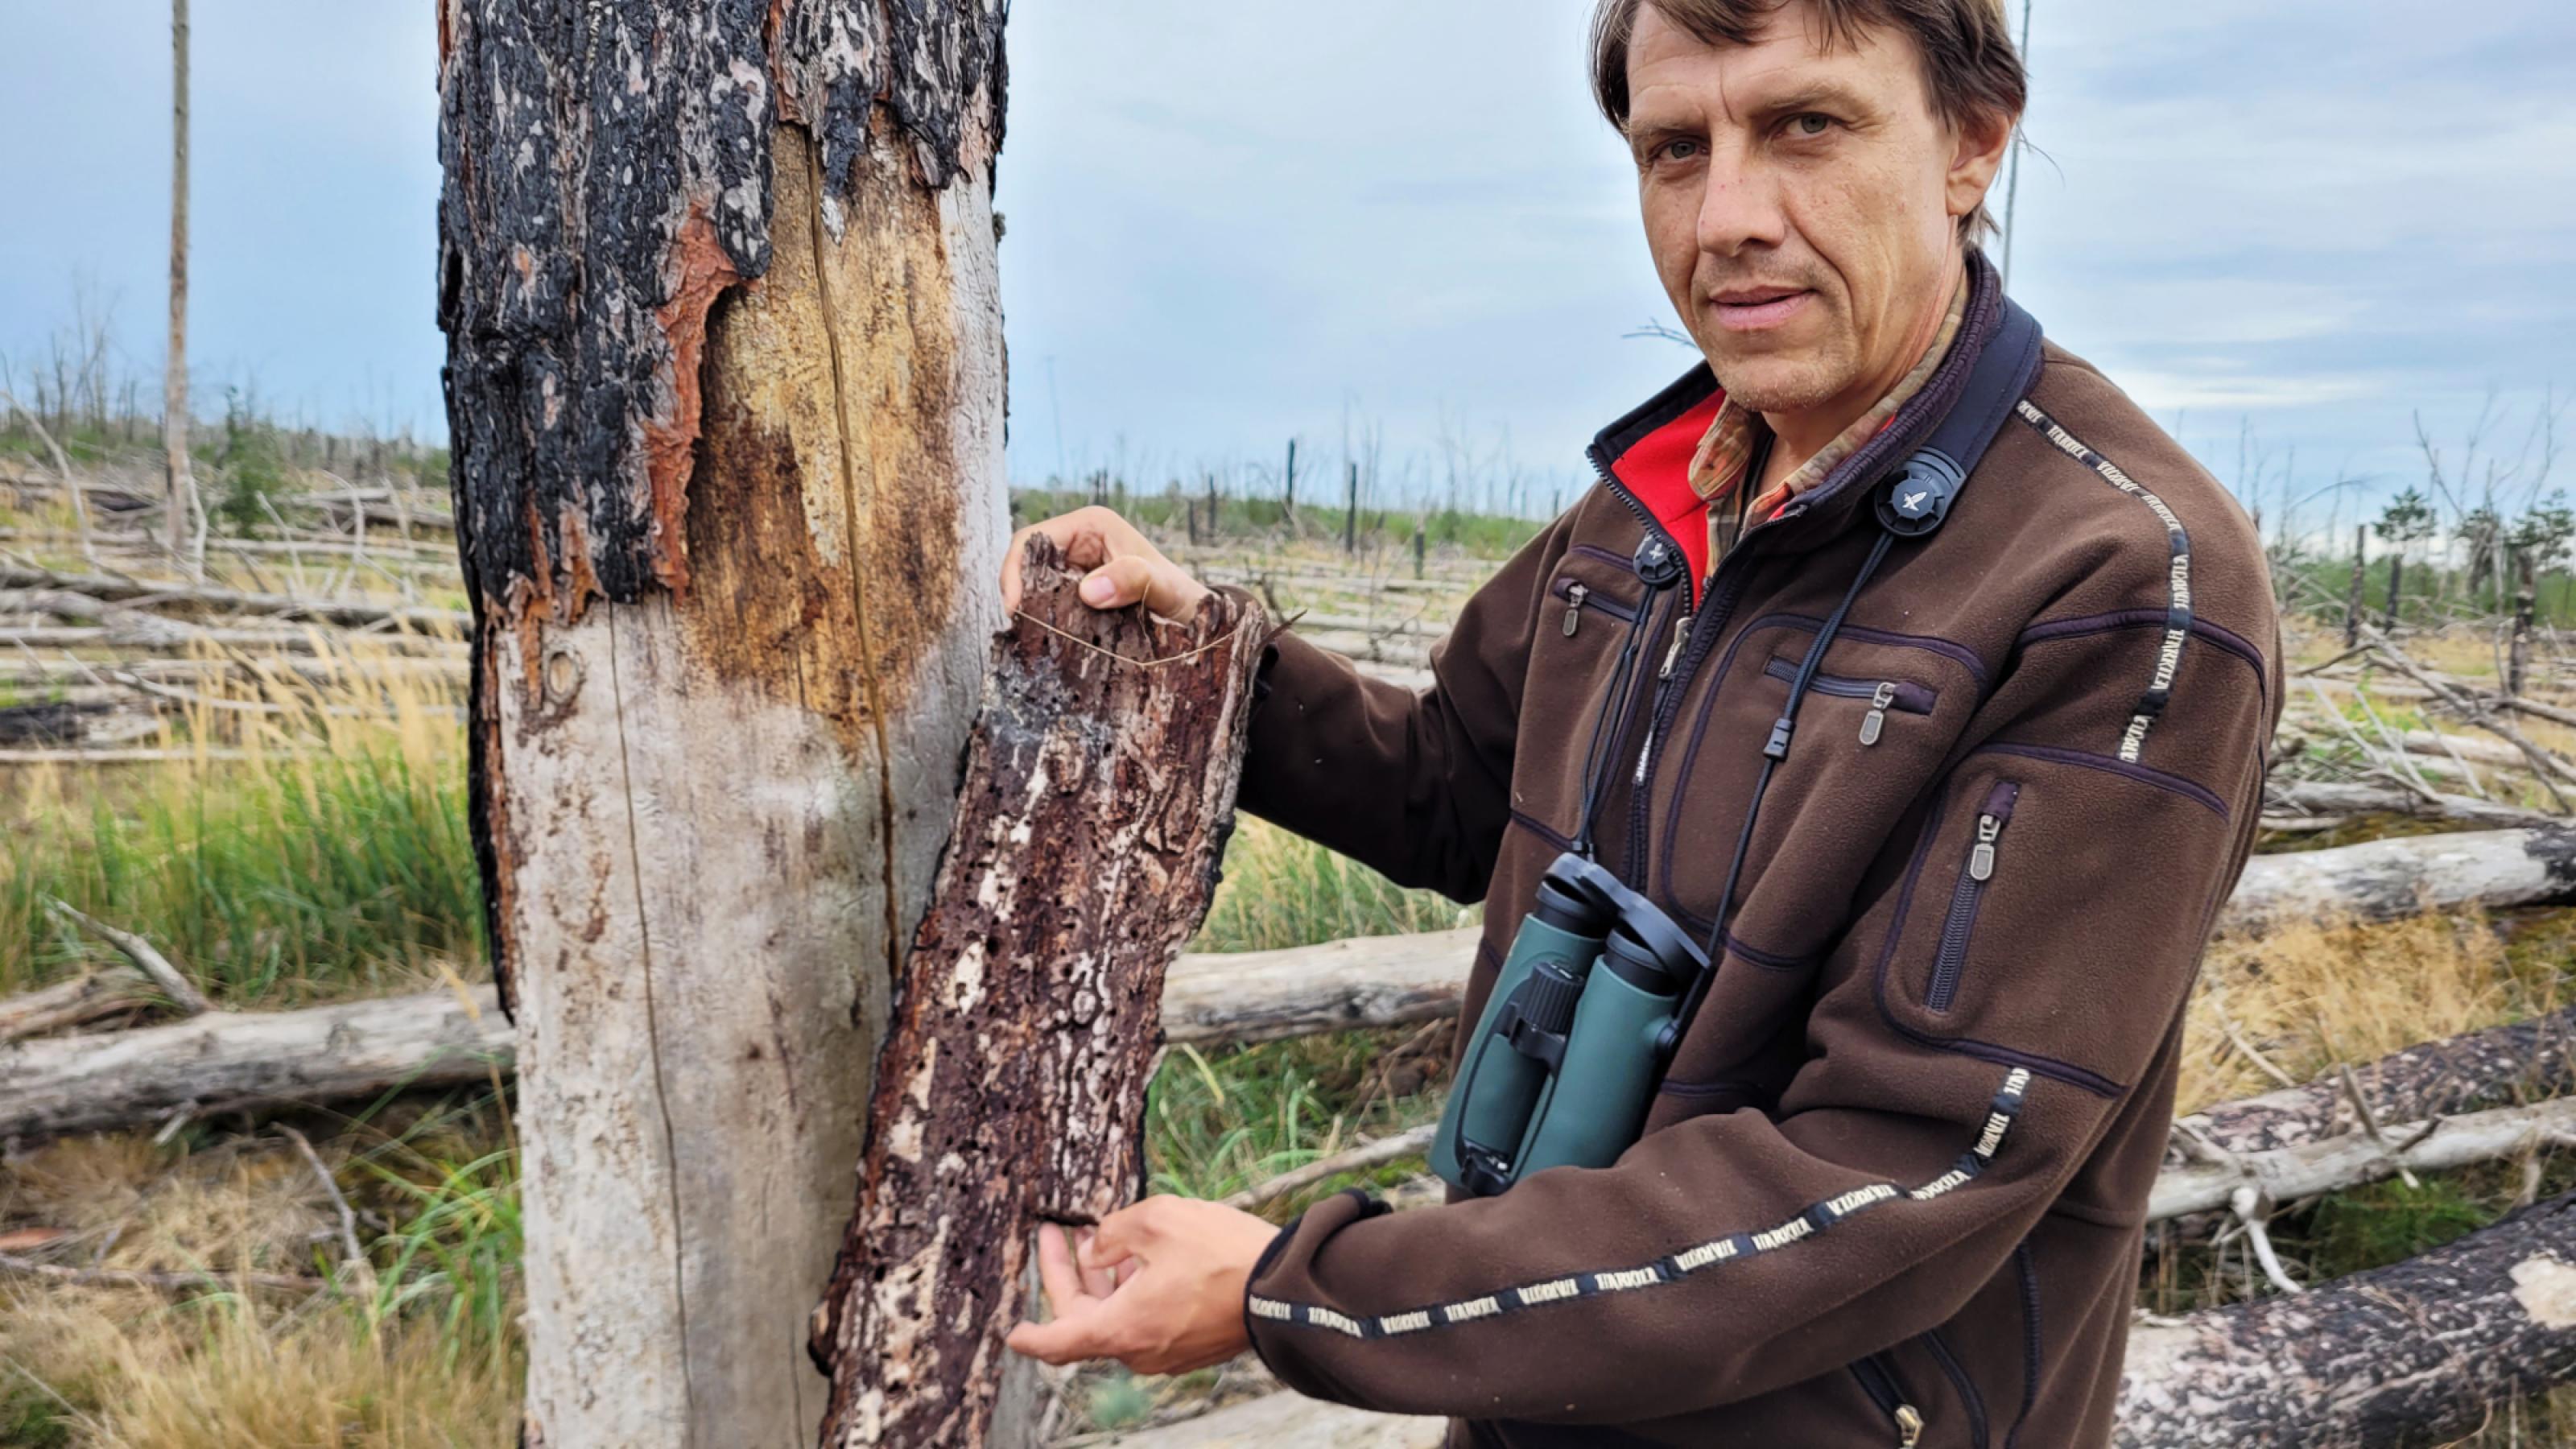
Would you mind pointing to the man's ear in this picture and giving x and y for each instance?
(1976, 159)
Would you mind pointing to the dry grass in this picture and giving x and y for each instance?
(126, 1371)
(420, 1350)
(2310, 996)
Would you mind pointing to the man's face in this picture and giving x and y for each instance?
(1802, 203)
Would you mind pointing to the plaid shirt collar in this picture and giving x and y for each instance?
(1736, 437)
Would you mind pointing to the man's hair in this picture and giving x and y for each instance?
(1970, 66)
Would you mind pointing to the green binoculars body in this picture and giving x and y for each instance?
(1572, 1041)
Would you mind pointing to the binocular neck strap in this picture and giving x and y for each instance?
(1774, 750)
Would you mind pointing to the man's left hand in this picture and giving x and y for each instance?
(1157, 1286)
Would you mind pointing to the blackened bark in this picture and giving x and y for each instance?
(2418, 1353)
(2498, 1067)
(1100, 785)
(609, 176)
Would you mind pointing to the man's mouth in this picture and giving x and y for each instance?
(1754, 309)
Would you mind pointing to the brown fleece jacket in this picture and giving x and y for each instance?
(1899, 1165)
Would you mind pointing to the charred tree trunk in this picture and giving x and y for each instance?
(2526, 601)
(1099, 791)
(2416, 1353)
(725, 390)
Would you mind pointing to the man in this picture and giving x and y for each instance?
(1892, 1186)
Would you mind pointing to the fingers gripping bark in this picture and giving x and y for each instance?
(1123, 567)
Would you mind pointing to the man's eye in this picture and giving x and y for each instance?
(1682, 150)
(1812, 123)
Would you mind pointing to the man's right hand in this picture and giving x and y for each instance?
(1122, 566)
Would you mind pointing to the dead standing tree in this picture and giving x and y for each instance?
(1099, 791)
(179, 481)
(725, 389)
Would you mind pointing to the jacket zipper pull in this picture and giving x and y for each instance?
(1672, 655)
(1981, 861)
(1909, 1426)
(1681, 635)
(1574, 608)
(1874, 723)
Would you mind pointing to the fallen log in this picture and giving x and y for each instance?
(2524, 1061)
(443, 1038)
(2415, 1353)
(1256, 996)
(1099, 792)
(2335, 797)
(351, 612)
(74, 1002)
(2383, 880)
(2332, 1164)
(2495, 753)
(222, 1060)
(1291, 1421)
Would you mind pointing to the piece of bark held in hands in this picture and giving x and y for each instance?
(1100, 784)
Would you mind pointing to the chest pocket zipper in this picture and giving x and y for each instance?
(1579, 597)
(1879, 1382)
(1959, 927)
(1883, 695)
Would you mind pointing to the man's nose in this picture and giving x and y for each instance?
(1741, 206)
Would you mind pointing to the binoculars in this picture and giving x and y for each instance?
(1573, 1041)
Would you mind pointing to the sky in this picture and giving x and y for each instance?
(2289, 230)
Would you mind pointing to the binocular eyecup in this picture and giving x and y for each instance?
(1643, 945)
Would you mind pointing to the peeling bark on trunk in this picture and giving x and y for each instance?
(2418, 1353)
(1099, 791)
(725, 390)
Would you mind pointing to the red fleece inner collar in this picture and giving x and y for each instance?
(1656, 468)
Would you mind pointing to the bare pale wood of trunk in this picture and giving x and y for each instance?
(1099, 792)
(725, 391)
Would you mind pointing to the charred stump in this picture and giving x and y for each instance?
(1100, 783)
